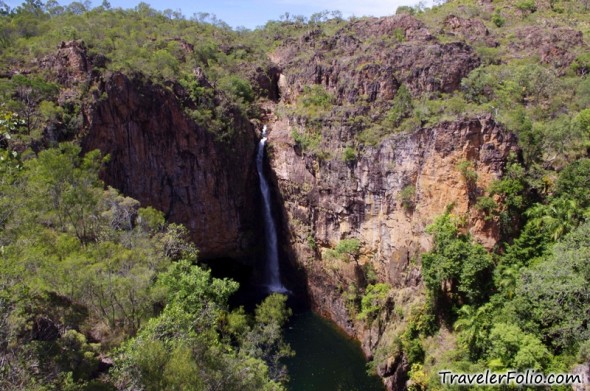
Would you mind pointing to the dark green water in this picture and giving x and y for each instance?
(326, 359)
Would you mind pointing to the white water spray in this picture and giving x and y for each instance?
(272, 276)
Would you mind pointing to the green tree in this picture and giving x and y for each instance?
(513, 348)
(456, 266)
(553, 297)
(373, 301)
(401, 107)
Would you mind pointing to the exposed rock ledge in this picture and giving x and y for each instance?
(326, 201)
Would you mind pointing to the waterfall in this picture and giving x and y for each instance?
(272, 277)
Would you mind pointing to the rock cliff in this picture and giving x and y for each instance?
(327, 201)
(385, 195)
(163, 159)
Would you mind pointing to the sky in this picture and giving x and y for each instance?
(253, 13)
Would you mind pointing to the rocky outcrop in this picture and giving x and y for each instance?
(582, 370)
(331, 199)
(367, 60)
(470, 29)
(556, 46)
(163, 159)
(70, 64)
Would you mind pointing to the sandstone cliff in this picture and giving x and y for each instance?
(327, 201)
(387, 194)
(163, 159)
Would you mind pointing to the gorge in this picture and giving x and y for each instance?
(419, 179)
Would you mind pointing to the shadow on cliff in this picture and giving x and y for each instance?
(293, 276)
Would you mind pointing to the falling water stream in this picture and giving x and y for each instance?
(272, 276)
(325, 360)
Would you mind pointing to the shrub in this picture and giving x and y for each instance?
(345, 250)
(487, 206)
(401, 107)
(408, 198)
(373, 301)
(497, 18)
(307, 140)
(456, 266)
(469, 174)
(349, 155)
(527, 5)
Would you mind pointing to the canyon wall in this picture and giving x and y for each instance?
(163, 159)
(328, 201)
(384, 195)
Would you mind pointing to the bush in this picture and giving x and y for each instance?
(408, 198)
(401, 107)
(345, 250)
(405, 9)
(315, 102)
(487, 206)
(456, 266)
(349, 155)
(468, 172)
(308, 141)
(527, 5)
(373, 301)
(497, 19)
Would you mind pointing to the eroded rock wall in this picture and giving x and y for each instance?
(327, 201)
(163, 159)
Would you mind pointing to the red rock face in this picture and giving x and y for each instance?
(472, 30)
(554, 45)
(163, 159)
(367, 60)
(70, 64)
(333, 200)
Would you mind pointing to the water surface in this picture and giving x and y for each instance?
(326, 359)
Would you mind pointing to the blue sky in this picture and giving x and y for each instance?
(253, 13)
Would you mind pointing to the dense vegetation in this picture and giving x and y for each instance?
(84, 268)
(99, 293)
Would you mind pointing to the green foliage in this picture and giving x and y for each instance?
(412, 344)
(552, 296)
(474, 325)
(309, 140)
(349, 155)
(273, 310)
(315, 102)
(488, 206)
(405, 9)
(373, 301)
(401, 107)
(479, 85)
(456, 266)
(581, 65)
(239, 88)
(408, 198)
(573, 183)
(185, 347)
(351, 299)
(526, 5)
(511, 348)
(346, 250)
(468, 173)
(75, 259)
(497, 18)
(31, 98)
(512, 193)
